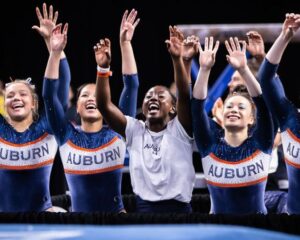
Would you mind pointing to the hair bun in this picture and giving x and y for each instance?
(239, 89)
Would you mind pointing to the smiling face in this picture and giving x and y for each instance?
(238, 113)
(158, 105)
(19, 102)
(86, 104)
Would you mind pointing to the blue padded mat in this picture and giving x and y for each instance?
(133, 232)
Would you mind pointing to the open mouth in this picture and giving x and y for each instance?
(153, 107)
(17, 106)
(233, 117)
(90, 106)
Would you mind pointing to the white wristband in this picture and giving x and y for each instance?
(103, 70)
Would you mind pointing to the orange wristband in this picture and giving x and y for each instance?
(107, 74)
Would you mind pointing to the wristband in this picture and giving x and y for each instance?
(103, 70)
(107, 74)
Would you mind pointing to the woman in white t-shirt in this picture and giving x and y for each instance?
(160, 149)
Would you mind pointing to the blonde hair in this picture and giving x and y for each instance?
(31, 87)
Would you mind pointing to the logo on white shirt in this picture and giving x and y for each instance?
(155, 148)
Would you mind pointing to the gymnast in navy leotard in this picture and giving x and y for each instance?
(285, 112)
(27, 144)
(28, 147)
(27, 150)
(92, 154)
(235, 163)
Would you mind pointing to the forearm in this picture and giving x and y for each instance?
(273, 90)
(52, 69)
(103, 96)
(188, 68)
(274, 55)
(264, 133)
(181, 78)
(112, 115)
(54, 110)
(128, 98)
(64, 83)
(47, 42)
(200, 88)
(128, 60)
(252, 84)
(203, 130)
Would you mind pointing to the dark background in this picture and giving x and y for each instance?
(23, 53)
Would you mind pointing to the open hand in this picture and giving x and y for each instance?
(237, 55)
(47, 21)
(128, 25)
(103, 53)
(58, 40)
(207, 55)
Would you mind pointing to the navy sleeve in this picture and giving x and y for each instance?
(264, 130)
(128, 98)
(54, 110)
(273, 91)
(204, 128)
(64, 83)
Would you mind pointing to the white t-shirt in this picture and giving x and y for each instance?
(161, 164)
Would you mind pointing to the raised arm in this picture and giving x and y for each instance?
(175, 48)
(207, 59)
(112, 115)
(54, 109)
(128, 98)
(273, 91)
(289, 28)
(256, 48)
(127, 28)
(203, 127)
(47, 22)
(237, 59)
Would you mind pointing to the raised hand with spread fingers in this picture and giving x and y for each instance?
(283, 109)
(175, 46)
(207, 59)
(237, 59)
(128, 97)
(175, 42)
(128, 25)
(47, 22)
(58, 42)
